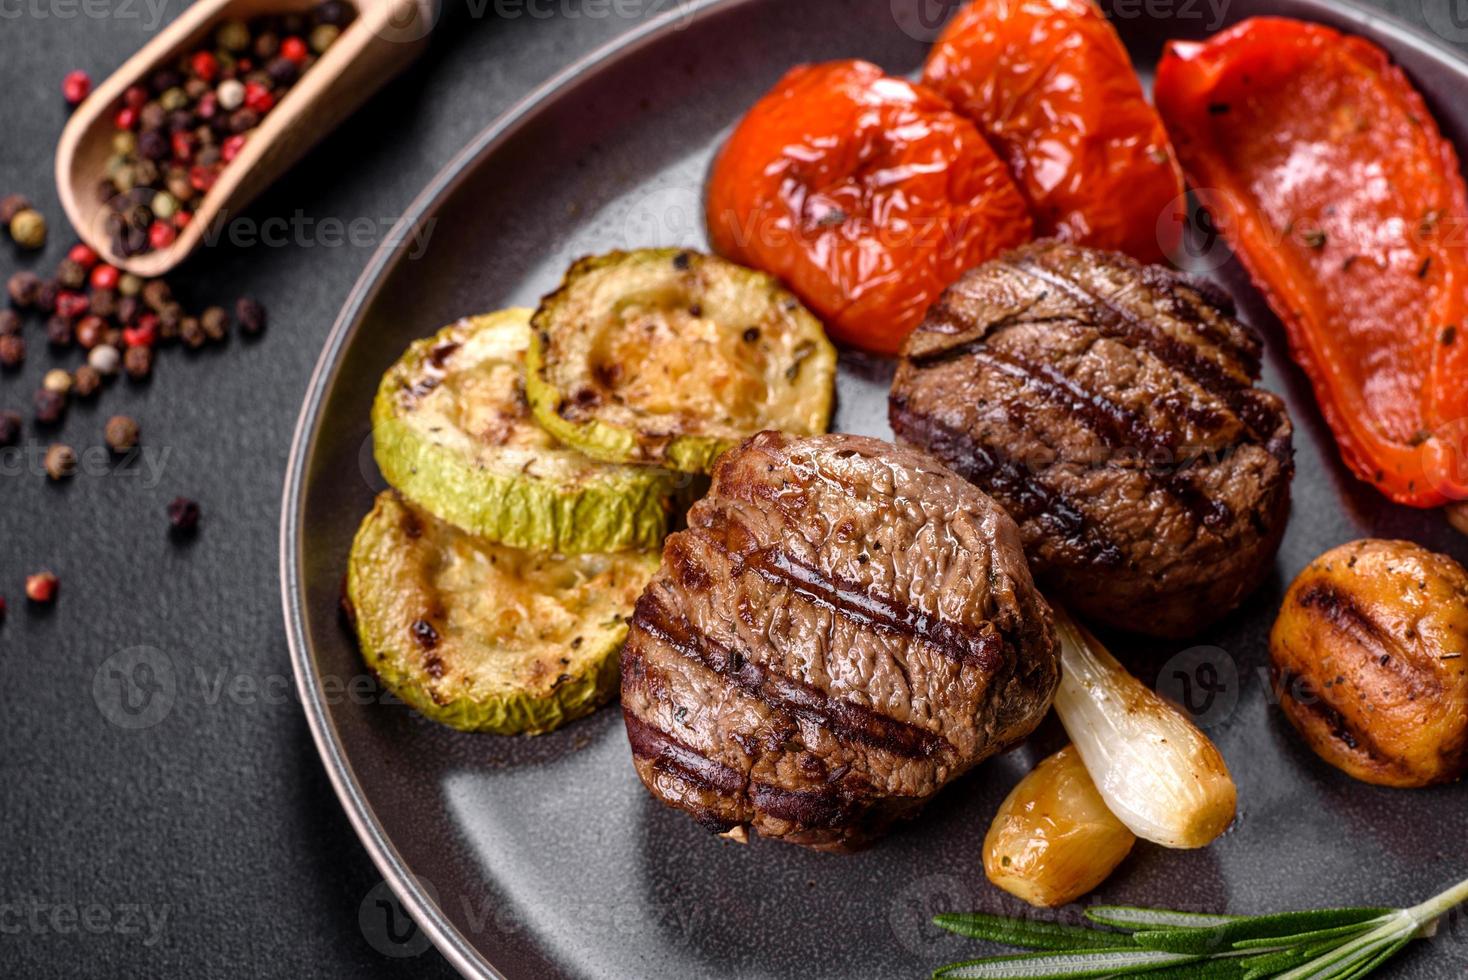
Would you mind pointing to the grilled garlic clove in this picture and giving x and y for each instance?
(1053, 839)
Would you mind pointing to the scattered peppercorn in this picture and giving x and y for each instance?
(24, 288)
(183, 514)
(60, 461)
(11, 205)
(121, 434)
(41, 587)
(104, 359)
(76, 86)
(59, 332)
(28, 228)
(138, 362)
(86, 381)
(9, 322)
(50, 406)
(215, 322)
(250, 314)
(10, 423)
(12, 351)
(71, 275)
(57, 380)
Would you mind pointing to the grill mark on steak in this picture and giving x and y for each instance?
(1117, 426)
(844, 719)
(820, 808)
(668, 754)
(981, 648)
(1119, 323)
(1026, 495)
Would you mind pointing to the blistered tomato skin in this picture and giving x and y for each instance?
(866, 194)
(1050, 84)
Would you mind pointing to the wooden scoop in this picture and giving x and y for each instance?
(385, 36)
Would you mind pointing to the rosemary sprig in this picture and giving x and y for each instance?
(1319, 944)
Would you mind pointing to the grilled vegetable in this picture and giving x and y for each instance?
(1370, 662)
(1051, 86)
(1156, 771)
(866, 193)
(453, 432)
(1333, 184)
(1053, 839)
(671, 357)
(482, 637)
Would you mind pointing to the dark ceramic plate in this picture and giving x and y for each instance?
(540, 857)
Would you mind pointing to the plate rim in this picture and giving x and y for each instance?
(423, 907)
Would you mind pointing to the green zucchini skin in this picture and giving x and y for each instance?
(553, 660)
(517, 486)
(750, 357)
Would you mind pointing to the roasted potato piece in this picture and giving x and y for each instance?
(1368, 660)
(1053, 839)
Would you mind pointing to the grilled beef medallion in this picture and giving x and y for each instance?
(1111, 408)
(844, 627)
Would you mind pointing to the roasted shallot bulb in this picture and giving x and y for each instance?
(1157, 772)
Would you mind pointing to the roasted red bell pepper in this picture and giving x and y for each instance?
(1332, 183)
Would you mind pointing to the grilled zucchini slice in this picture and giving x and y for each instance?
(670, 357)
(452, 430)
(483, 637)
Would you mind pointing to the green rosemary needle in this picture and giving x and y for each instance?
(1320, 944)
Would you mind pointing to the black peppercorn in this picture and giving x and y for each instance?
(85, 381)
(24, 288)
(46, 298)
(157, 294)
(104, 302)
(243, 120)
(183, 514)
(333, 12)
(169, 319)
(10, 423)
(121, 434)
(50, 406)
(153, 145)
(215, 323)
(128, 309)
(250, 314)
(282, 71)
(191, 332)
(70, 275)
(151, 119)
(165, 79)
(138, 362)
(60, 461)
(9, 322)
(12, 351)
(59, 332)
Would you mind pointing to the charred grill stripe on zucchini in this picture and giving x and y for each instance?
(453, 432)
(483, 637)
(669, 357)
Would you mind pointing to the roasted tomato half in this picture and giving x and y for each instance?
(1050, 84)
(867, 194)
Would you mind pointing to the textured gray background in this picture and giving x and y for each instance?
(216, 822)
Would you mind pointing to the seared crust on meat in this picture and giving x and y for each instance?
(1111, 408)
(844, 627)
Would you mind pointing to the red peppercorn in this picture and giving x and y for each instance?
(208, 106)
(205, 65)
(77, 85)
(161, 235)
(135, 96)
(126, 118)
(258, 97)
(293, 49)
(183, 147)
(71, 305)
(202, 178)
(105, 276)
(145, 334)
(181, 219)
(231, 147)
(41, 587)
(83, 255)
